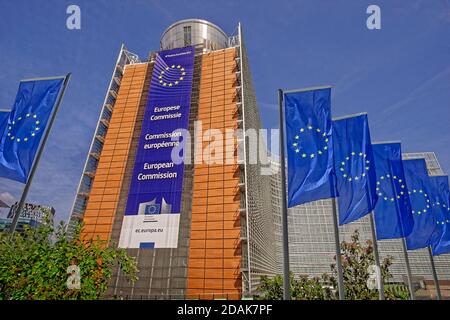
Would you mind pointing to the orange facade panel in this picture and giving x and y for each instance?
(104, 196)
(215, 249)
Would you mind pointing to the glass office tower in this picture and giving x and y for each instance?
(224, 235)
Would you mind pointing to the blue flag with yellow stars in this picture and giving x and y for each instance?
(354, 167)
(393, 213)
(309, 145)
(26, 124)
(419, 190)
(440, 197)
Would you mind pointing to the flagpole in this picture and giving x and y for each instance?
(341, 288)
(435, 276)
(284, 213)
(21, 202)
(376, 254)
(412, 293)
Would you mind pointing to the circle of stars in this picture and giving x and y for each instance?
(28, 135)
(443, 205)
(343, 170)
(297, 147)
(420, 192)
(168, 70)
(395, 179)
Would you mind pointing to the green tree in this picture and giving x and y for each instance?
(34, 264)
(356, 258)
(303, 288)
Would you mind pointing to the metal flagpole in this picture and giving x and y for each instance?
(412, 294)
(19, 207)
(284, 213)
(338, 251)
(435, 276)
(376, 254)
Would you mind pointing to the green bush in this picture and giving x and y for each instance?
(33, 265)
(356, 259)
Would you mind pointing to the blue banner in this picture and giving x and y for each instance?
(419, 190)
(4, 116)
(154, 199)
(355, 168)
(393, 213)
(26, 124)
(309, 146)
(440, 202)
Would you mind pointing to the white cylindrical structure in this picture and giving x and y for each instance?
(194, 32)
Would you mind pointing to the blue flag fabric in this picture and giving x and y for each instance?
(393, 212)
(26, 124)
(354, 167)
(4, 116)
(441, 209)
(309, 146)
(419, 190)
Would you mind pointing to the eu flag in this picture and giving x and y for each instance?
(419, 191)
(26, 124)
(309, 145)
(4, 115)
(354, 167)
(393, 213)
(440, 198)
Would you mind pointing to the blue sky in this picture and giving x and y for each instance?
(399, 74)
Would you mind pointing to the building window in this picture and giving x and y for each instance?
(187, 36)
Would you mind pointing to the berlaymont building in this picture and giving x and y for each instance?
(197, 230)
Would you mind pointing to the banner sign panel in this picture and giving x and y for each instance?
(154, 201)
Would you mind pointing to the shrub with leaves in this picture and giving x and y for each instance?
(33, 264)
(356, 258)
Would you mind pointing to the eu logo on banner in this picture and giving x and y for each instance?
(28, 119)
(309, 146)
(419, 191)
(354, 167)
(440, 199)
(393, 213)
